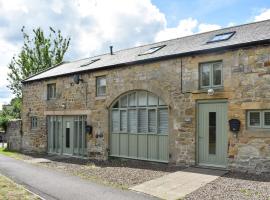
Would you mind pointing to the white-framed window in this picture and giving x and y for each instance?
(34, 122)
(258, 119)
(51, 91)
(139, 112)
(211, 75)
(100, 86)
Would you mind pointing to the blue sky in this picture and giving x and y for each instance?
(94, 25)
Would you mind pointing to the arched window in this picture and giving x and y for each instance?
(139, 112)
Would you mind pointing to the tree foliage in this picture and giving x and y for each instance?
(38, 53)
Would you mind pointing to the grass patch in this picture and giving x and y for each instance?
(12, 154)
(10, 190)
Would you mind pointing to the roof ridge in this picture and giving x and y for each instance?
(155, 43)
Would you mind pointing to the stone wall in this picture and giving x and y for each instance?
(246, 86)
(14, 134)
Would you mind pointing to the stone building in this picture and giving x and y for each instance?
(198, 100)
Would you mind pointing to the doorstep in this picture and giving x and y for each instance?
(178, 184)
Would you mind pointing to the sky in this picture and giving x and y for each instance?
(94, 25)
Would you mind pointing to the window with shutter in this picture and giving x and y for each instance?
(163, 121)
(142, 121)
(115, 121)
(123, 120)
(139, 112)
(152, 121)
(132, 121)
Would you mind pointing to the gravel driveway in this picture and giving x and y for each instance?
(236, 186)
(115, 172)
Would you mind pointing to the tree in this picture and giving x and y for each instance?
(37, 54)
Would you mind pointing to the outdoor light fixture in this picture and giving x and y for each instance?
(210, 92)
(63, 105)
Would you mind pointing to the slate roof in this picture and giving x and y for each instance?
(247, 34)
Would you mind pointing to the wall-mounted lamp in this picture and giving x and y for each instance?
(211, 92)
(63, 105)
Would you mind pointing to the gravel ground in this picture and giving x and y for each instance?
(236, 186)
(119, 173)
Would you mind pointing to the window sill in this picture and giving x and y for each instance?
(205, 90)
(101, 97)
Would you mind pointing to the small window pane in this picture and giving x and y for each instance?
(116, 104)
(152, 100)
(132, 121)
(212, 133)
(101, 85)
(163, 121)
(254, 119)
(152, 121)
(161, 102)
(267, 118)
(115, 121)
(205, 75)
(132, 99)
(142, 121)
(34, 122)
(51, 91)
(123, 101)
(123, 121)
(142, 98)
(217, 74)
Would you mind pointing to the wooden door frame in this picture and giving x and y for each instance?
(205, 101)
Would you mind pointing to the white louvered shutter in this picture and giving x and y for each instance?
(163, 121)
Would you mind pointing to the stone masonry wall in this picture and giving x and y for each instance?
(246, 86)
(14, 134)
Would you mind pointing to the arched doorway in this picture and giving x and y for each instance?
(139, 127)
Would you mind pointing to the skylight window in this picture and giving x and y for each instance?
(221, 37)
(90, 62)
(152, 50)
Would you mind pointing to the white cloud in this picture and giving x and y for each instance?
(264, 15)
(92, 24)
(208, 27)
(185, 27)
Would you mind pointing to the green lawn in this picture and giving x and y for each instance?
(11, 191)
(11, 154)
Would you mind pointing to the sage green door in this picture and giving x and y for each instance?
(212, 134)
(68, 135)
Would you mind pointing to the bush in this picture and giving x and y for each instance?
(4, 122)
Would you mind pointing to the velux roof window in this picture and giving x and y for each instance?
(152, 50)
(90, 62)
(221, 37)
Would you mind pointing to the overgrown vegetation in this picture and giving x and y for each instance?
(38, 53)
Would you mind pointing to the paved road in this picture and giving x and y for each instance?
(52, 185)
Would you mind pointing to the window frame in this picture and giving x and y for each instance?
(51, 91)
(98, 86)
(34, 122)
(262, 119)
(230, 34)
(211, 75)
(136, 108)
(154, 49)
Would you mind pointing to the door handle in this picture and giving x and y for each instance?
(201, 137)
